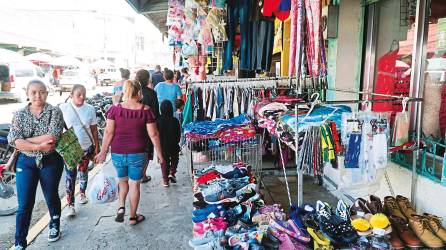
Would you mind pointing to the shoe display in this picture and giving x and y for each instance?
(391, 208)
(374, 204)
(359, 208)
(435, 225)
(221, 197)
(400, 226)
(395, 241)
(342, 211)
(405, 206)
(205, 238)
(422, 230)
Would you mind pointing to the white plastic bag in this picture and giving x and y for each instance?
(104, 188)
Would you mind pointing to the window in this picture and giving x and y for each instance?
(140, 43)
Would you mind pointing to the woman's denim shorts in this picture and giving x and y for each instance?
(130, 165)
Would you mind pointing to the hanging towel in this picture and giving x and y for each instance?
(187, 112)
(400, 129)
(380, 150)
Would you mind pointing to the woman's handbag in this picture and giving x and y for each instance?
(69, 148)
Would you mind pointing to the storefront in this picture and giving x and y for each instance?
(339, 91)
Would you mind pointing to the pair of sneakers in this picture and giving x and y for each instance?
(71, 210)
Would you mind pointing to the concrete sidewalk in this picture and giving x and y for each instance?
(168, 223)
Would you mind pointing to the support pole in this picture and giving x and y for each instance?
(300, 179)
(417, 86)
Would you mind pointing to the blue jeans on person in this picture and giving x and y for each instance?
(130, 165)
(238, 12)
(27, 177)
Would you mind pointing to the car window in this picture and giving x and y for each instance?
(24, 71)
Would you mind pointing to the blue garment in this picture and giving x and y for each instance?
(212, 127)
(238, 12)
(168, 91)
(27, 178)
(353, 150)
(157, 77)
(130, 165)
(117, 89)
(319, 114)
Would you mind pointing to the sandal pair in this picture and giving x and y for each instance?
(120, 217)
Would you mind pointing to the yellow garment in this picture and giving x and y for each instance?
(285, 56)
(328, 153)
(278, 36)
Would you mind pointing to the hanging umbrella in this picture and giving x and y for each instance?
(66, 61)
(7, 56)
(39, 57)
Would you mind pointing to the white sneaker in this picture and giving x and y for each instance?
(71, 211)
(83, 199)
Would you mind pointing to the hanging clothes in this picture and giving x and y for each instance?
(385, 80)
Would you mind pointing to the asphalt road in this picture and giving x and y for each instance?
(7, 223)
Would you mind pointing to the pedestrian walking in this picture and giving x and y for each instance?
(82, 117)
(170, 133)
(157, 76)
(129, 126)
(168, 90)
(150, 99)
(118, 87)
(35, 130)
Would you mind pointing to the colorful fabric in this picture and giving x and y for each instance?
(71, 175)
(237, 134)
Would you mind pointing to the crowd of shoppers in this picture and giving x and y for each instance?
(145, 118)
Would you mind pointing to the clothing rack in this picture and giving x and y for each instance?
(392, 99)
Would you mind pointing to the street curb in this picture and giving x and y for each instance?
(44, 221)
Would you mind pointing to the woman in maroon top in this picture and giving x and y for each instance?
(129, 126)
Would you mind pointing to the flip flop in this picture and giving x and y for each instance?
(138, 219)
(120, 216)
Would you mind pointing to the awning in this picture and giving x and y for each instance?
(154, 10)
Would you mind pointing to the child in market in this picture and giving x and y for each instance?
(170, 133)
(179, 105)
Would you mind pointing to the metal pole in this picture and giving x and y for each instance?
(300, 179)
(416, 88)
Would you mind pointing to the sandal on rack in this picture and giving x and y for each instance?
(319, 240)
(120, 215)
(138, 219)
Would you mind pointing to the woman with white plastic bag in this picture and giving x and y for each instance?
(129, 127)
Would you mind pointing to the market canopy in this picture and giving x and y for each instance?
(66, 61)
(7, 55)
(40, 57)
(154, 10)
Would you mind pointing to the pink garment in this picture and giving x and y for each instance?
(293, 37)
(131, 135)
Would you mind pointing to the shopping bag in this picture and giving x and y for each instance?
(69, 148)
(104, 188)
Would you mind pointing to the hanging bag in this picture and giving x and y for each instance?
(69, 147)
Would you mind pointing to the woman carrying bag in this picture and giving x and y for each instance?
(35, 131)
(82, 117)
(130, 125)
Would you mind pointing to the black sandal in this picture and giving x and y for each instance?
(120, 216)
(146, 179)
(138, 219)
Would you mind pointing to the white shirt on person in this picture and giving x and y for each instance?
(87, 114)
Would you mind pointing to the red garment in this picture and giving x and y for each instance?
(385, 80)
(270, 6)
(208, 177)
(337, 142)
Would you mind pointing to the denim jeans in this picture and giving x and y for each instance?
(238, 12)
(27, 177)
(130, 165)
(263, 42)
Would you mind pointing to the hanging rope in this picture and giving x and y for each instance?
(284, 173)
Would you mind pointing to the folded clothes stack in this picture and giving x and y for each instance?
(230, 213)
(236, 129)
